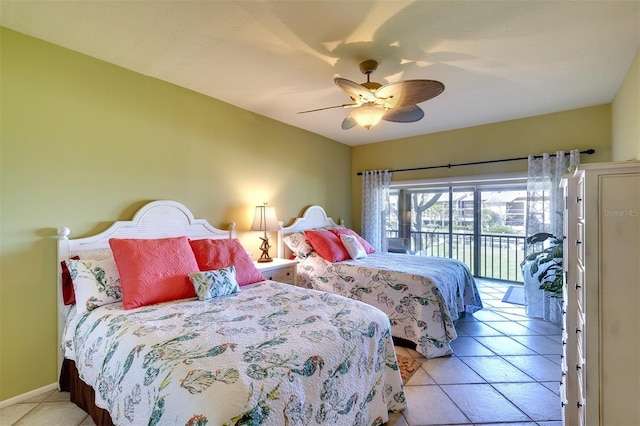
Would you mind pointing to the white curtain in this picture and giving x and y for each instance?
(545, 212)
(544, 195)
(375, 207)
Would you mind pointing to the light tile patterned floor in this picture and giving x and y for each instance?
(506, 370)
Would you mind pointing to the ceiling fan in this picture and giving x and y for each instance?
(373, 102)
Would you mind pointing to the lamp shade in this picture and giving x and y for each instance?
(265, 219)
(367, 115)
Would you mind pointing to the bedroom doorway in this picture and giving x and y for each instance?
(481, 225)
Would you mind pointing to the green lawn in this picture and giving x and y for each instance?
(495, 262)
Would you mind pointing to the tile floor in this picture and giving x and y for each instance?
(506, 370)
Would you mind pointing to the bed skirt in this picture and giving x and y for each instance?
(82, 394)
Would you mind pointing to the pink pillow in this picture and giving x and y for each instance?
(217, 254)
(367, 247)
(328, 245)
(153, 270)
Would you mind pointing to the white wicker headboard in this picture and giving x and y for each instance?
(313, 217)
(157, 219)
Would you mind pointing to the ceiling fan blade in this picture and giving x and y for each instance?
(356, 91)
(331, 107)
(409, 92)
(407, 114)
(348, 123)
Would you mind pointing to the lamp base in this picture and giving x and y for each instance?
(264, 247)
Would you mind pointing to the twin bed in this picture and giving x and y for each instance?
(423, 296)
(264, 353)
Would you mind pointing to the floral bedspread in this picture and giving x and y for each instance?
(272, 354)
(422, 296)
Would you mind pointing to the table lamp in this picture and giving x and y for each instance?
(265, 220)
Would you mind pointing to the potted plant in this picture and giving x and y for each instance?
(546, 264)
(543, 277)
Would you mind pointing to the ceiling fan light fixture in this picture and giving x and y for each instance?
(394, 102)
(367, 116)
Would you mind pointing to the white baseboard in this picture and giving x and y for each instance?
(28, 395)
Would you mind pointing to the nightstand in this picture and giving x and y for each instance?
(283, 270)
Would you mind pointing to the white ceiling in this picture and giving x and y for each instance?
(499, 60)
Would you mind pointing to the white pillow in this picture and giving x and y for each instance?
(210, 284)
(95, 283)
(298, 244)
(353, 246)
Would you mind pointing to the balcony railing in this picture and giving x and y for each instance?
(499, 258)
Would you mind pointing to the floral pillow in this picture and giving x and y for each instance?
(353, 246)
(68, 295)
(298, 244)
(210, 284)
(95, 283)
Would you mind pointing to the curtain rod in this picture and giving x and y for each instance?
(587, 151)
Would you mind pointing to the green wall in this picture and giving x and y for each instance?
(84, 143)
(576, 129)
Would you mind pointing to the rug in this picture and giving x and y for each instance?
(408, 366)
(515, 295)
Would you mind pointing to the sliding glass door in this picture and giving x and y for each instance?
(502, 236)
(480, 225)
